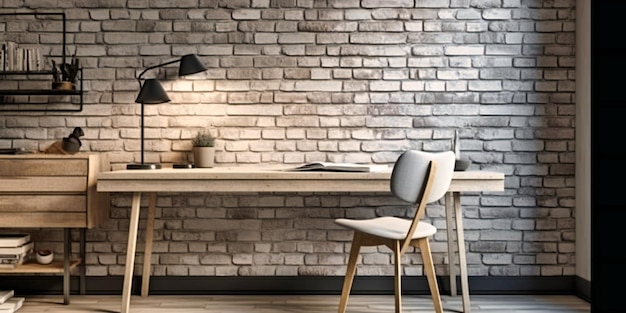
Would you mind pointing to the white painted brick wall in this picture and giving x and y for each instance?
(337, 80)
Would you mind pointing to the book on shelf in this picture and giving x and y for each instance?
(13, 261)
(341, 167)
(18, 249)
(5, 295)
(13, 240)
(12, 304)
(20, 59)
(11, 258)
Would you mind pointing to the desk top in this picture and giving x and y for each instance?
(273, 179)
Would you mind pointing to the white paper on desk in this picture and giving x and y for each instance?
(341, 167)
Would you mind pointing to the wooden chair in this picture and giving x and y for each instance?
(419, 178)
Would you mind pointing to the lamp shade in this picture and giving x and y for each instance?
(190, 64)
(152, 93)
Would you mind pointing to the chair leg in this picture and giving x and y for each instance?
(398, 276)
(429, 270)
(350, 271)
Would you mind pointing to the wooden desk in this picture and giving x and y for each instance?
(252, 179)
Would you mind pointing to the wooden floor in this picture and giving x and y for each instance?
(302, 304)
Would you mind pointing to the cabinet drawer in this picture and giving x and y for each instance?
(18, 204)
(45, 219)
(73, 184)
(52, 190)
(43, 167)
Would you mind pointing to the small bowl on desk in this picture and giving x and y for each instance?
(461, 165)
(44, 256)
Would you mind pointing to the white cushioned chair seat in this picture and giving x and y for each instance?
(389, 227)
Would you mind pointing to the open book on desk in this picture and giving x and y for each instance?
(341, 167)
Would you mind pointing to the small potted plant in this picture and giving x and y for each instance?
(65, 75)
(203, 148)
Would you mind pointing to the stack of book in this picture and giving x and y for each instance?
(9, 303)
(14, 250)
(15, 58)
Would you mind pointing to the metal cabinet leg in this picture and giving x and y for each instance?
(67, 250)
(82, 265)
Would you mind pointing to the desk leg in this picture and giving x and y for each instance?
(145, 278)
(458, 212)
(450, 233)
(130, 251)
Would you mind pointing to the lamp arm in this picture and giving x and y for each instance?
(155, 66)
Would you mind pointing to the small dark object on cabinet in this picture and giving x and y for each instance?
(69, 145)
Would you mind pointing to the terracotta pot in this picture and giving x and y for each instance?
(63, 86)
(203, 156)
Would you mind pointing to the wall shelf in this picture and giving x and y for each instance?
(33, 92)
(18, 100)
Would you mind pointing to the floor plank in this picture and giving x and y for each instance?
(302, 304)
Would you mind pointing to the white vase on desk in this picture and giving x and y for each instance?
(203, 157)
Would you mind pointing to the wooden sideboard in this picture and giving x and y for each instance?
(53, 191)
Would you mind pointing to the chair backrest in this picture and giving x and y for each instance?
(410, 174)
(421, 177)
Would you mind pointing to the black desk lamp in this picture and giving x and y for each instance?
(153, 93)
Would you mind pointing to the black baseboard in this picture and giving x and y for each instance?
(583, 288)
(302, 285)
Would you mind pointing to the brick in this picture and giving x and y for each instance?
(318, 86)
(378, 38)
(246, 14)
(501, 235)
(457, 74)
(124, 38)
(496, 14)
(497, 258)
(464, 50)
(387, 3)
